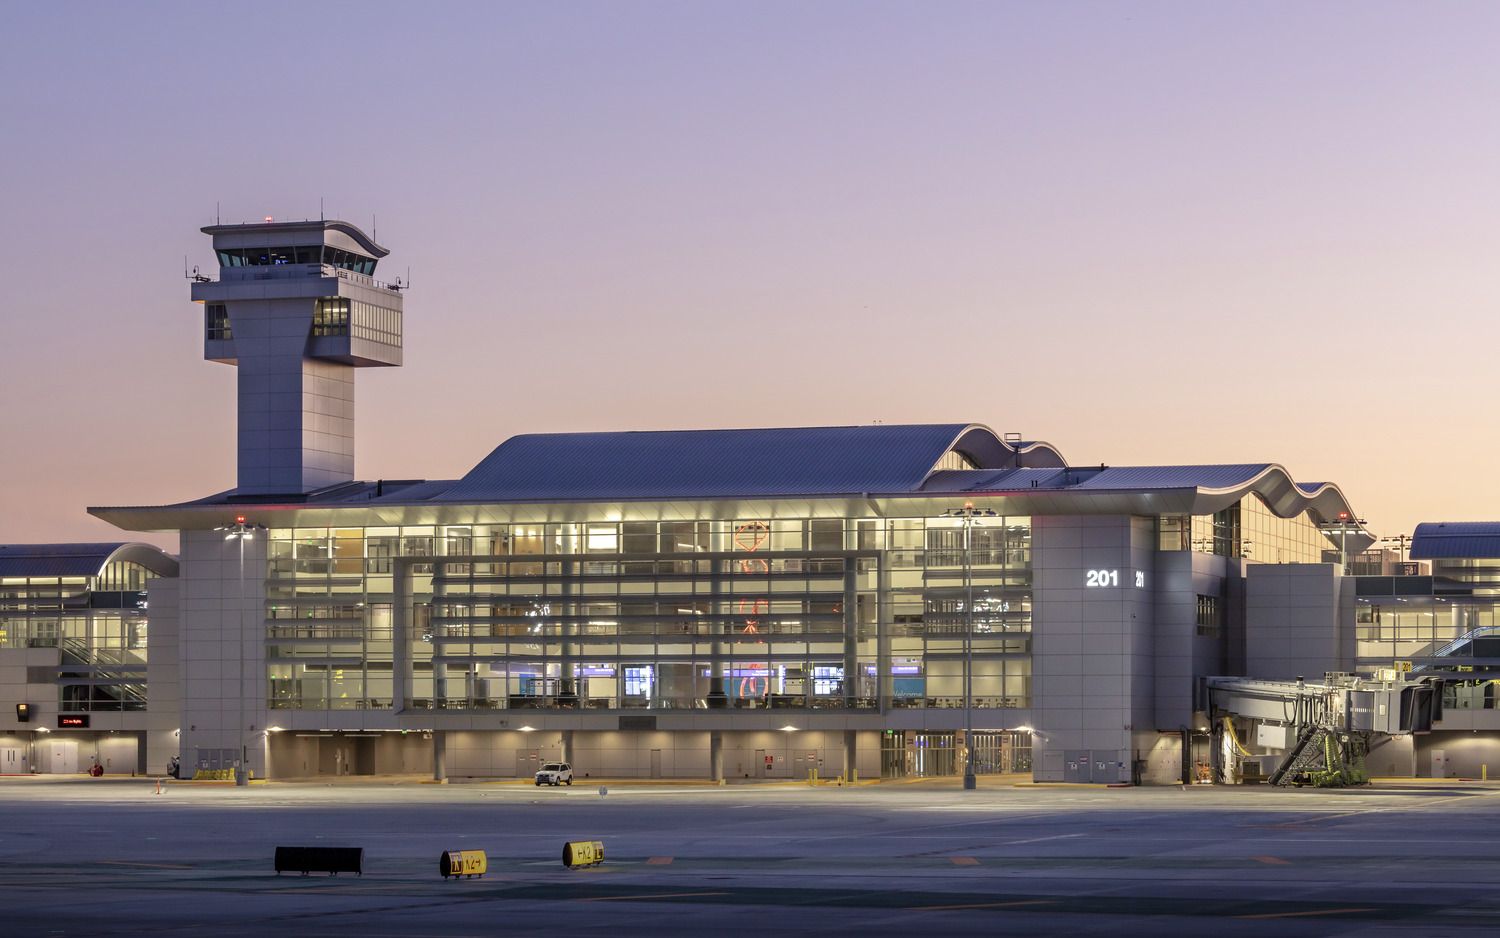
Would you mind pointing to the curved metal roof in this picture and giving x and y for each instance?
(353, 231)
(681, 464)
(1443, 540)
(1217, 486)
(81, 559)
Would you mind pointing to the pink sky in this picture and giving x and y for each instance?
(1147, 232)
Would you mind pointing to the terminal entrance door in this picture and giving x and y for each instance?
(893, 754)
(1002, 753)
(656, 763)
(62, 757)
(12, 761)
(935, 754)
(760, 763)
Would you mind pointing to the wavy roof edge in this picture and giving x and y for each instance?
(1216, 483)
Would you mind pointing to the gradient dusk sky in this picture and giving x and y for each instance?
(1148, 232)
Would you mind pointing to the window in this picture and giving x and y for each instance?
(216, 322)
(1208, 615)
(296, 254)
(331, 316)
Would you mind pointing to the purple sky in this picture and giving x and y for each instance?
(1146, 232)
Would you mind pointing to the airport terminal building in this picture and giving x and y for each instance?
(706, 603)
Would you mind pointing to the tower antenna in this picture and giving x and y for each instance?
(320, 208)
(216, 214)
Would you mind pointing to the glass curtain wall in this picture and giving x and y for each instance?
(1248, 530)
(651, 615)
(97, 624)
(749, 613)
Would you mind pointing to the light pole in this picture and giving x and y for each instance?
(241, 532)
(968, 517)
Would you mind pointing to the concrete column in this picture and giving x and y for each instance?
(850, 755)
(716, 756)
(439, 756)
(567, 746)
(717, 697)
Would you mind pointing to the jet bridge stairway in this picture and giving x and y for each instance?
(1334, 721)
(1325, 758)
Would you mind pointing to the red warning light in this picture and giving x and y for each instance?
(1343, 516)
(240, 519)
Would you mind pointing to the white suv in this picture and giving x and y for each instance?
(555, 773)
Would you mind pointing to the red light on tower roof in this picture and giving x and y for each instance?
(268, 219)
(240, 519)
(1343, 516)
(968, 504)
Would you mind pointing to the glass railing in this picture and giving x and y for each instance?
(571, 702)
(957, 703)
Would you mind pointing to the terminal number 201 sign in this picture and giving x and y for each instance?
(1111, 578)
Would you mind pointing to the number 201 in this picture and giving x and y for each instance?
(1104, 578)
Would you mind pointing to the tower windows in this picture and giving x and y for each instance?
(298, 254)
(331, 316)
(216, 322)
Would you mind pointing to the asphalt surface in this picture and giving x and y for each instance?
(82, 857)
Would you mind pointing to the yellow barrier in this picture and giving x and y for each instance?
(582, 853)
(215, 775)
(463, 863)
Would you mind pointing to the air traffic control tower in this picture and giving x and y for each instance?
(297, 309)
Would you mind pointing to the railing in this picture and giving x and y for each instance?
(300, 272)
(1449, 648)
(574, 702)
(644, 633)
(328, 703)
(957, 703)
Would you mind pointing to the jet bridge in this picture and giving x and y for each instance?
(1314, 732)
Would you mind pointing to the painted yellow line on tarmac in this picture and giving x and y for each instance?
(1300, 914)
(160, 866)
(660, 895)
(658, 861)
(964, 861)
(1273, 861)
(979, 905)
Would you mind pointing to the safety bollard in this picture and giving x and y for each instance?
(854, 776)
(582, 853)
(463, 863)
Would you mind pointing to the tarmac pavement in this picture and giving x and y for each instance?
(108, 856)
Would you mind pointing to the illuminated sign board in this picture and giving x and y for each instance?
(73, 722)
(1111, 578)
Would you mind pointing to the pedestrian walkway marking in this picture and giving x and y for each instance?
(964, 861)
(1296, 914)
(1273, 861)
(658, 861)
(979, 905)
(660, 895)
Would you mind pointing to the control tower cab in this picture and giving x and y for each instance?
(297, 309)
